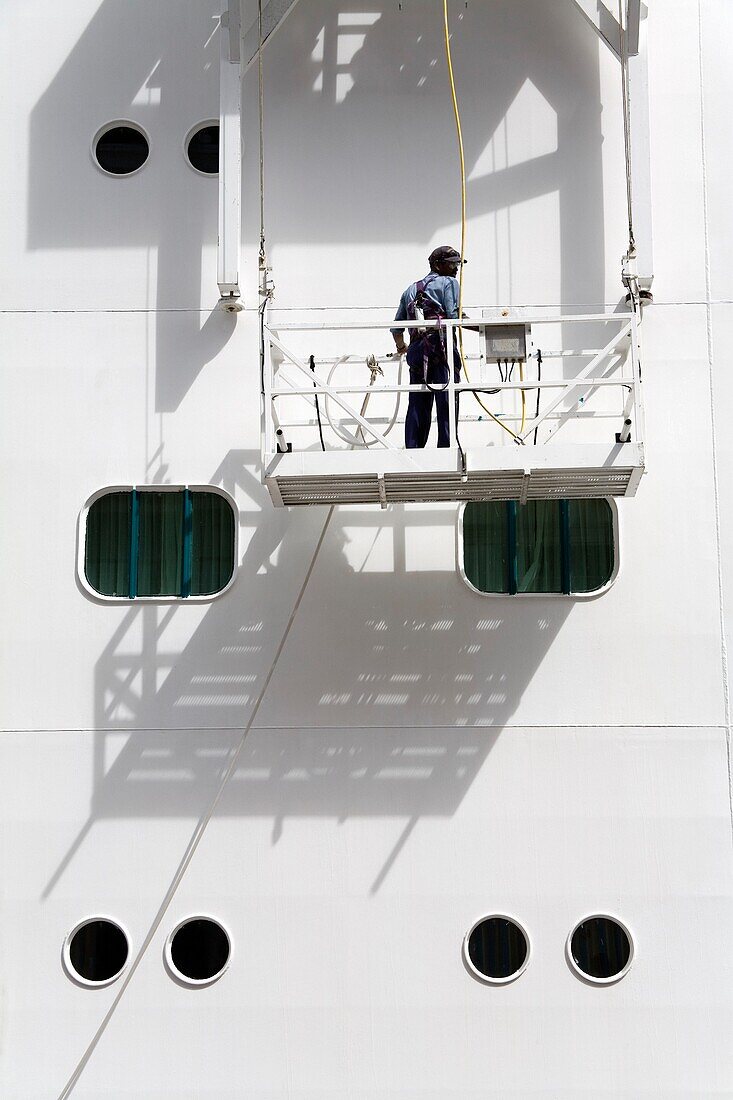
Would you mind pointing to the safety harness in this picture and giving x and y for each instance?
(431, 340)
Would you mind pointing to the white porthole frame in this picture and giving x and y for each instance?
(105, 130)
(602, 915)
(81, 544)
(175, 973)
(542, 595)
(68, 966)
(192, 133)
(478, 974)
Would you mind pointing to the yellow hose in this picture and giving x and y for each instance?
(459, 132)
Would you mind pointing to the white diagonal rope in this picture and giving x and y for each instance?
(197, 834)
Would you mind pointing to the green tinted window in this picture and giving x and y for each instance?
(107, 549)
(151, 543)
(212, 564)
(564, 546)
(591, 544)
(160, 544)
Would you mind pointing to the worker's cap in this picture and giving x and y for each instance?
(444, 254)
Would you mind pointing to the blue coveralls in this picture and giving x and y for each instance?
(442, 293)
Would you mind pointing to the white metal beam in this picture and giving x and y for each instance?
(334, 395)
(641, 181)
(230, 152)
(633, 21)
(274, 13)
(603, 23)
(581, 380)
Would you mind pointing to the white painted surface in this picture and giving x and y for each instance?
(419, 758)
(348, 865)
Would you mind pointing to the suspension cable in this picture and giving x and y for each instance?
(462, 159)
(261, 108)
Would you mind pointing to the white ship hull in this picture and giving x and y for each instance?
(415, 755)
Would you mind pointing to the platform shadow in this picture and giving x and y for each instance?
(371, 711)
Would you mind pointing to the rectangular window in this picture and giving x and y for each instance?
(148, 543)
(543, 546)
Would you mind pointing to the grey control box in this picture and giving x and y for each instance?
(506, 342)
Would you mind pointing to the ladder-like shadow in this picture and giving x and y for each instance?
(372, 711)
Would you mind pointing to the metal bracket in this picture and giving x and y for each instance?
(606, 25)
(274, 14)
(603, 23)
(633, 24)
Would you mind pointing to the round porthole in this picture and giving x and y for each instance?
(121, 148)
(202, 148)
(600, 949)
(198, 951)
(496, 949)
(96, 951)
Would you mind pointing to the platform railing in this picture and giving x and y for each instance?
(616, 365)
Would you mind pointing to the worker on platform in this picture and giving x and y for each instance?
(433, 297)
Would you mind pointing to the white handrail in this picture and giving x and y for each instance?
(467, 322)
(586, 381)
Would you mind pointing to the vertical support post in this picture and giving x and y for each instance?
(186, 555)
(511, 515)
(268, 443)
(134, 543)
(636, 373)
(451, 357)
(641, 191)
(564, 546)
(230, 153)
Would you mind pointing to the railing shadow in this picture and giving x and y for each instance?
(373, 710)
(391, 689)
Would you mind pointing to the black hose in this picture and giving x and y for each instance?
(539, 391)
(262, 346)
(312, 365)
(458, 441)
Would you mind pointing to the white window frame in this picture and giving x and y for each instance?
(175, 973)
(112, 126)
(81, 544)
(69, 968)
(479, 974)
(602, 914)
(191, 134)
(542, 595)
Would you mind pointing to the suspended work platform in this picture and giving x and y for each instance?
(561, 412)
(333, 478)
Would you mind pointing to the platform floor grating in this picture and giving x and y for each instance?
(439, 486)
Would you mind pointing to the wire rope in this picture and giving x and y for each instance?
(462, 160)
(261, 109)
(199, 830)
